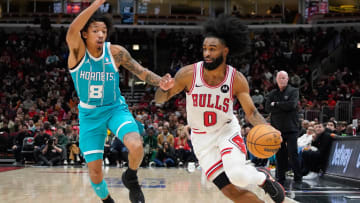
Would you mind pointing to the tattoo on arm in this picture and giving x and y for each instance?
(124, 58)
(256, 118)
(152, 78)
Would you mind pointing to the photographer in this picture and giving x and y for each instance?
(40, 140)
(51, 153)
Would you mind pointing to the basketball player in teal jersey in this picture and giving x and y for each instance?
(93, 65)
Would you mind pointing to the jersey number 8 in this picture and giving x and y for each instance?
(96, 91)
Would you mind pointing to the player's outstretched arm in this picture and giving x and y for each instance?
(183, 80)
(241, 90)
(73, 35)
(122, 57)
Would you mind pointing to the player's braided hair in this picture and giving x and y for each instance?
(231, 31)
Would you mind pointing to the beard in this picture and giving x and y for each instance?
(213, 65)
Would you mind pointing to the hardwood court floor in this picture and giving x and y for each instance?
(160, 185)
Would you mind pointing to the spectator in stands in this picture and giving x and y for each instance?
(40, 139)
(51, 153)
(305, 140)
(257, 98)
(73, 145)
(349, 130)
(118, 152)
(341, 128)
(63, 141)
(165, 156)
(182, 148)
(150, 145)
(18, 143)
(304, 127)
(165, 135)
(315, 160)
(331, 126)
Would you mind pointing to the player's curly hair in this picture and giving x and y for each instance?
(231, 31)
(96, 17)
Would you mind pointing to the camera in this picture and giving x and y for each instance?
(51, 142)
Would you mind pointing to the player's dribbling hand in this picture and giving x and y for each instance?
(166, 82)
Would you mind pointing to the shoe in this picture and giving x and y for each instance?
(108, 200)
(72, 162)
(273, 188)
(135, 193)
(310, 176)
(152, 164)
(65, 162)
(77, 158)
(107, 162)
(181, 164)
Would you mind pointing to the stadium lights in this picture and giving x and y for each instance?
(358, 45)
(135, 47)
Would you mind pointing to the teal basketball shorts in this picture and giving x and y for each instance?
(94, 123)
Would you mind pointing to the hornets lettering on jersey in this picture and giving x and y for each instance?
(96, 80)
(96, 76)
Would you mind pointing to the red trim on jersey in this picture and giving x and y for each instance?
(195, 129)
(214, 168)
(203, 132)
(193, 80)
(225, 151)
(232, 84)
(218, 85)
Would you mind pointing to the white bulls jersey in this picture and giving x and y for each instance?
(209, 107)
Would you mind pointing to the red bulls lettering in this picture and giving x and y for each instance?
(204, 100)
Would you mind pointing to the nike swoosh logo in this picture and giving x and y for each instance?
(198, 85)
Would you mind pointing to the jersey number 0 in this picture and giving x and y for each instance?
(209, 118)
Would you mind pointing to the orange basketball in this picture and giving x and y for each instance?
(263, 141)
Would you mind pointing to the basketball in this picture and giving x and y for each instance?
(263, 141)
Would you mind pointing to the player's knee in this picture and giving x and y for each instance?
(134, 143)
(238, 176)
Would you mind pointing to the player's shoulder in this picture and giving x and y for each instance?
(185, 71)
(115, 48)
(238, 76)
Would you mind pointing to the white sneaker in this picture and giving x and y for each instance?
(72, 162)
(77, 158)
(310, 176)
(191, 167)
(152, 164)
(65, 162)
(107, 162)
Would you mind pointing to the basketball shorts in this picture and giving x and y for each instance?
(210, 147)
(94, 123)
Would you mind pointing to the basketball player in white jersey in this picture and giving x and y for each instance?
(211, 86)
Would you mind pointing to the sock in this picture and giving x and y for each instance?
(131, 174)
(100, 189)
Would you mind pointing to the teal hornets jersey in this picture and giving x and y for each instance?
(96, 80)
